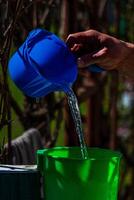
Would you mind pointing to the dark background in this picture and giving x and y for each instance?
(106, 100)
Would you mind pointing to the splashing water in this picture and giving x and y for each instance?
(73, 104)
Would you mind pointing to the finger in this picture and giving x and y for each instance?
(75, 38)
(71, 41)
(100, 53)
(80, 37)
(92, 58)
(76, 47)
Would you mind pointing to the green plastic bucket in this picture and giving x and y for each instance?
(68, 177)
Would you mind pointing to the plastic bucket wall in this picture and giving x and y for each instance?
(66, 176)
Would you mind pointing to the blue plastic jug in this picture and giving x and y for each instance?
(44, 64)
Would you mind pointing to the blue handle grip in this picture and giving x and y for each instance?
(95, 68)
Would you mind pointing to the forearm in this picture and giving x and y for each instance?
(126, 67)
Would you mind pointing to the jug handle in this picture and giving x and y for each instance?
(95, 68)
(91, 68)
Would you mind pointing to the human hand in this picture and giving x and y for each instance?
(93, 47)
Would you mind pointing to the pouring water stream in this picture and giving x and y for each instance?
(74, 108)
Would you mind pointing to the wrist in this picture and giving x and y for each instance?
(126, 66)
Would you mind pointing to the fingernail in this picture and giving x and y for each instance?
(80, 62)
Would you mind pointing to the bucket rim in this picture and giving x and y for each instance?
(46, 151)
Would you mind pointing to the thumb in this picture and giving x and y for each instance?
(92, 58)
